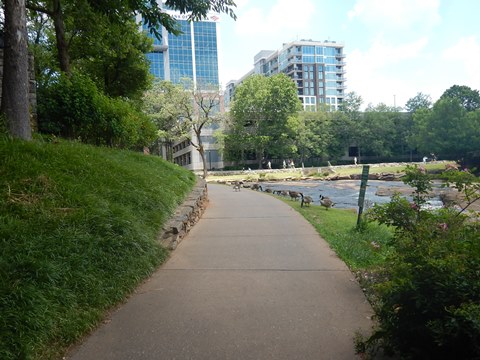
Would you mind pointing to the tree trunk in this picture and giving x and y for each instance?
(15, 103)
(62, 46)
(200, 149)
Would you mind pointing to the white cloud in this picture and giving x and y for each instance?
(378, 73)
(464, 57)
(281, 19)
(264, 26)
(392, 14)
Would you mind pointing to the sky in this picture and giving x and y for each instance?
(394, 48)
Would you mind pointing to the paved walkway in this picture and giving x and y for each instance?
(252, 280)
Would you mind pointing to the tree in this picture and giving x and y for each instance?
(448, 129)
(313, 134)
(15, 104)
(468, 98)
(165, 105)
(207, 112)
(419, 101)
(71, 19)
(261, 115)
(119, 11)
(343, 129)
(119, 68)
(351, 105)
(375, 131)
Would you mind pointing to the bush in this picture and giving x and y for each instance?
(428, 303)
(72, 107)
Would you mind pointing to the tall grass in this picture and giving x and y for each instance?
(77, 234)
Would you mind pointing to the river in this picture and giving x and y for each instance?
(345, 192)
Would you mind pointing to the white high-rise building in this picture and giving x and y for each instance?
(316, 67)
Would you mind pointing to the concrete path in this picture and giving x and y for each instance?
(252, 280)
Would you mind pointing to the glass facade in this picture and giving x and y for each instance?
(192, 54)
(206, 57)
(180, 54)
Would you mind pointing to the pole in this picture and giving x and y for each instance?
(363, 189)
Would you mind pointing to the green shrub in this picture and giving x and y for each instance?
(428, 300)
(72, 107)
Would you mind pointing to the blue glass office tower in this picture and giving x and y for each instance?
(193, 54)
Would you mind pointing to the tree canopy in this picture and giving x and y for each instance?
(467, 97)
(447, 129)
(98, 38)
(419, 101)
(260, 117)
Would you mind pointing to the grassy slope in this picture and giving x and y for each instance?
(77, 233)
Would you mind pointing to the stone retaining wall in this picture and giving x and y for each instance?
(186, 215)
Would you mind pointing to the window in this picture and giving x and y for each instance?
(330, 60)
(330, 51)
(309, 59)
(309, 50)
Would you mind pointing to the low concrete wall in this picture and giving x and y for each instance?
(185, 217)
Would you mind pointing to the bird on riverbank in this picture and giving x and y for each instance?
(307, 200)
(294, 195)
(326, 202)
(256, 187)
(237, 185)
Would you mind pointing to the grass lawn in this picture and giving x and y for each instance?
(78, 227)
(359, 249)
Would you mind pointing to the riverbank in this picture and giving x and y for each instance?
(342, 183)
(382, 171)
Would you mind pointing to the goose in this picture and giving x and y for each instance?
(307, 200)
(294, 195)
(237, 185)
(257, 187)
(326, 202)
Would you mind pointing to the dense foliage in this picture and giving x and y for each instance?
(72, 107)
(448, 129)
(78, 233)
(429, 294)
(262, 118)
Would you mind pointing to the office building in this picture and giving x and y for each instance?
(192, 55)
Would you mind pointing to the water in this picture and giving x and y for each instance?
(345, 192)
